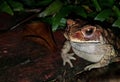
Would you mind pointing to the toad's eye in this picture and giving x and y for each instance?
(89, 31)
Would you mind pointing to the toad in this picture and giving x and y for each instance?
(89, 42)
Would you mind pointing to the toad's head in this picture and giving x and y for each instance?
(76, 32)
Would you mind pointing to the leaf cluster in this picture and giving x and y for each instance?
(55, 12)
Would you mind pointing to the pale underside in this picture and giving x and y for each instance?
(89, 51)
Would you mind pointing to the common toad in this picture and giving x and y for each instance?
(88, 42)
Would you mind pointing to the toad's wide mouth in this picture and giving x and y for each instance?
(89, 41)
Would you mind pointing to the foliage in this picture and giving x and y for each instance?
(55, 12)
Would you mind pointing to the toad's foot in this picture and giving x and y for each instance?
(97, 65)
(67, 58)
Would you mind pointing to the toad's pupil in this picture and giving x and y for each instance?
(89, 31)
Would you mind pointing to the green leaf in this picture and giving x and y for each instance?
(117, 23)
(117, 11)
(60, 24)
(96, 4)
(43, 2)
(80, 11)
(56, 20)
(17, 6)
(4, 7)
(65, 11)
(103, 15)
(53, 8)
(63, 22)
(106, 3)
(92, 14)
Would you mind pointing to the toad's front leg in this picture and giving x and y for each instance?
(67, 57)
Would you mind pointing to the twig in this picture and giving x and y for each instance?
(30, 10)
(25, 20)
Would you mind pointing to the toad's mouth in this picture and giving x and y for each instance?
(82, 41)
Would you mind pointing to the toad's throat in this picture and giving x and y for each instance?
(88, 51)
